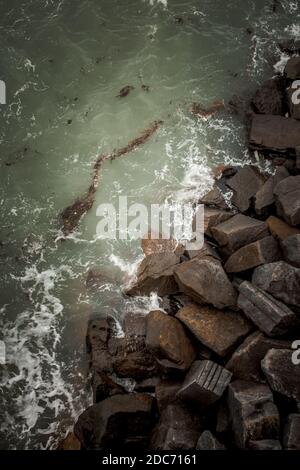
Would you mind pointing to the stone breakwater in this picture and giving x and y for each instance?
(213, 368)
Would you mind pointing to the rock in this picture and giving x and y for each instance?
(291, 250)
(205, 383)
(213, 217)
(269, 98)
(168, 342)
(245, 184)
(206, 282)
(279, 279)
(219, 330)
(223, 421)
(207, 250)
(292, 68)
(287, 194)
(264, 198)
(215, 199)
(291, 433)
(165, 393)
(239, 231)
(104, 387)
(118, 421)
(271, 316)
(283, 376)
(274, 133)
(155, 244)
(266, 444)
(70, 443)
(147, 385)
(156, 274)
(280, 229)
(253, 413)
(207, 441)
(294, 106)
(250, 256)
(245, 363)
(177, 429)
(100, 330)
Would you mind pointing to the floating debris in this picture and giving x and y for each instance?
(125, 91)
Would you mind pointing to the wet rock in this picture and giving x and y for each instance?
(266, 444)
(205, 383)
(239, 231)
(279, 279)
(264, 198)
(274, 133)
(269, 98)
(206, 282)
(213, 217)
(283, 376)
(250, 256)
(154, 244)
(271, 316)
(292, 68)
(215, 199)
(165, 393)
(219, 330)
(280, 229)
(168, 342)
(100, 330)
(206, 250)
(70, 443)
(207, 441)
(178, 429)
(104, 387)
(118, 421)
(245, 363)
(291, 433)
(245, 184)
(291, 250)
(287, 194)
(253, 413)
(156, 274)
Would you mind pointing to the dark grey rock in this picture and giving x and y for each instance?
(165, 393)
(264, 198)
(245, 184)
(207, 441)
(267, 444)
(253, 413)
(291, 250)
(291, 433)
(271, 316)
(100, 330)
(292, 68)
(205, 383)
(287, 194)
(269, 98)
(274, 133)
(104, 387)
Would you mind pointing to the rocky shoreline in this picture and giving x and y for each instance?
(213, 369)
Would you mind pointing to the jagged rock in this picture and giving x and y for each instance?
(168, 342)
(178, 429)
(104, 387)
(156, 274)
(207, 441)
(268, 314)
(283, 376)
(280, 229)
(267, 444)
(214, 198)
(274, 133)
(205, 383)
(70, 443)
(279, 279)
(253, 413)
(292, 69)
(205, 280)
(165, 393)
(219, 330)
(291, 433)
(213, 217)
(153, 245)
(287, 194)
(245, 184)
(269, 98)
(239, 231)
(100, 330)
(264, 198)
(250, 256)
(118, 421)
(245, 363)
(291, 250)
(206, 250)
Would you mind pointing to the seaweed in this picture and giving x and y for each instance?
(125, 91)
(72, 214)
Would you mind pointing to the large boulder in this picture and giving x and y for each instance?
(291, 433)
(245, 363)
(279, 279)
(291, 250)
(207, 441)
(282, 375)
(168, 341)
(245, 184)
(205, 383)
(287, 194)
(292, 68)
(156, 274)
(274, 133)
(219, 330)
(118, 421)
(239, 231)
(280, 229)
(271, 316)
(205, 280)
(213, 217)
(253, 413)
(265, 198)
(269, 98)
(250, 256)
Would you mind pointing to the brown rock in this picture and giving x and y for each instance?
(207, 441)
(291, 250)
(219, 330)
(155, 244)
(264, 198)
(274, 133)
(165, 393)
(206, 250)
(215, 199)
(287, 194)
(269, 98)
(70, 443)
(280, 229)
(291, 433)
(245, 184)
(213, 217)
(103, 387)
(100, 330)
(292, 68)
(266, 444)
